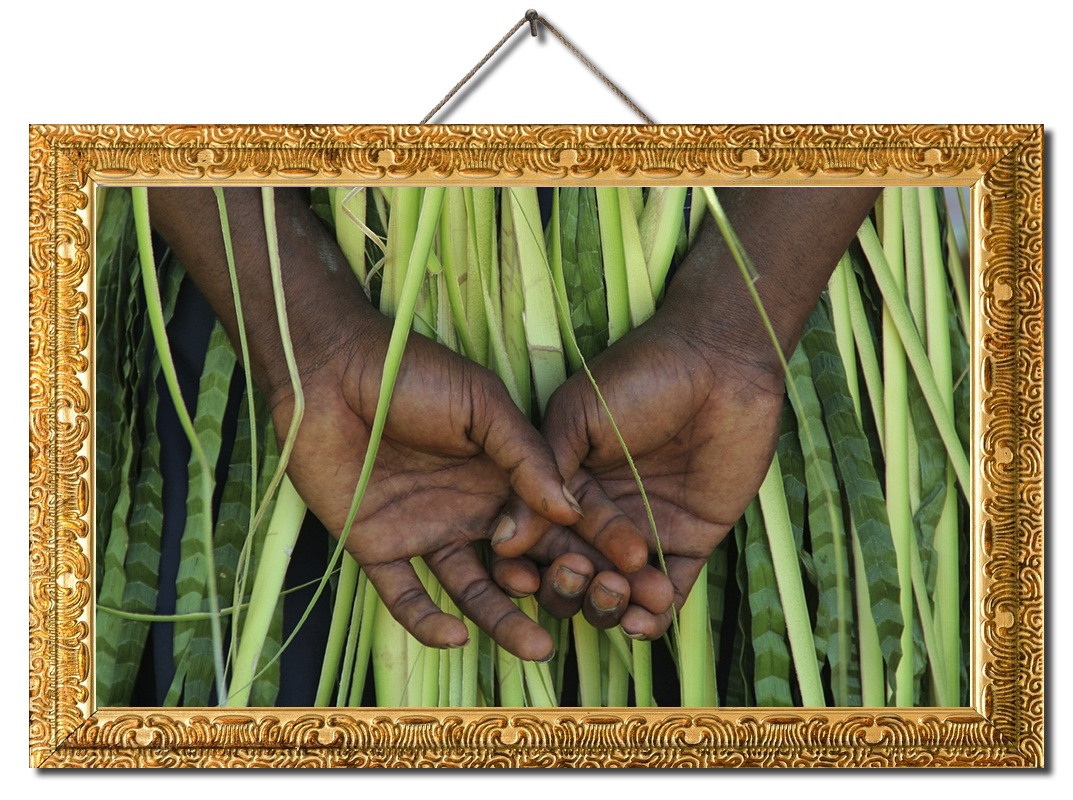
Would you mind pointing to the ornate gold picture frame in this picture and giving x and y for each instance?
(1004, 723)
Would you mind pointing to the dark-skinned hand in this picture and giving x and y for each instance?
(454, 445)
(696, 392)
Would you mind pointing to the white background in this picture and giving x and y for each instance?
(917, 61)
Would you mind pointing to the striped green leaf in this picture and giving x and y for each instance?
(861, 485)
(193, 640)
(771, 655)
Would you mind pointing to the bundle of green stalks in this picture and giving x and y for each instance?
(843, 584)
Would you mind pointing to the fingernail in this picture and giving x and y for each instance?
(572, 501)
(504, 530)
(638, 636)
(569, 583)
(450, 646)
(549, 657)
(605, 600)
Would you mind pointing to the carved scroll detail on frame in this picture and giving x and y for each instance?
(1003, 728)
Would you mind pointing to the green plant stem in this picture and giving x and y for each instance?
(587, 647)
(642, 673)
(346, 675)
(155, 312)
(914, 350)
(369, 612)
(947, 589)
(342, 610)
(695, 636)
(791, 589)
(283, 531)
(897, 423)
(618, 297)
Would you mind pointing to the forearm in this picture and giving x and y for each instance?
(794, 237)
(323, 299)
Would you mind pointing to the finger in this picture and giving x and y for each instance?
(606, 600)
(517, 529)
(606, 527)
(563, 585)
(462, 575)
(403, 595)
(519, 450)
(518, 577)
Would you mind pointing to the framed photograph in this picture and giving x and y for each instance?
(1002, 723)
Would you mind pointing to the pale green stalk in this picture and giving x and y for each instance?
(470, 653)
(369, 612)
(947, 591)
(283, 531)
(537, 676)
(873, 688)
(453, 238)
(155, 312)
(695, 637)
(838, 288)
(425, 312)
(642, 673)
(348, 208)
(791, 589)
(510, 675)
(617, 639)
(401, 230)
(587, 648)
(618, 298)
(638, 284)
(542, 334)
(391, 646)
(446, 332)
(634, 197)
(452, 697)
(897, 434)
(711, 692)
(346, 675)
(478, 317)
(618, 683)
(914, 256)
(862, 336)
(914, 465)
(914, 350)
(659, 227)
(342, 611)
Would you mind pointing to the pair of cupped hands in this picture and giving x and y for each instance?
(459, 464)
(696, 392)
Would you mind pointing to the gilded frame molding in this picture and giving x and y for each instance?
(1004, 725)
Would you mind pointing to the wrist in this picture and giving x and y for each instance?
(325, 306)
